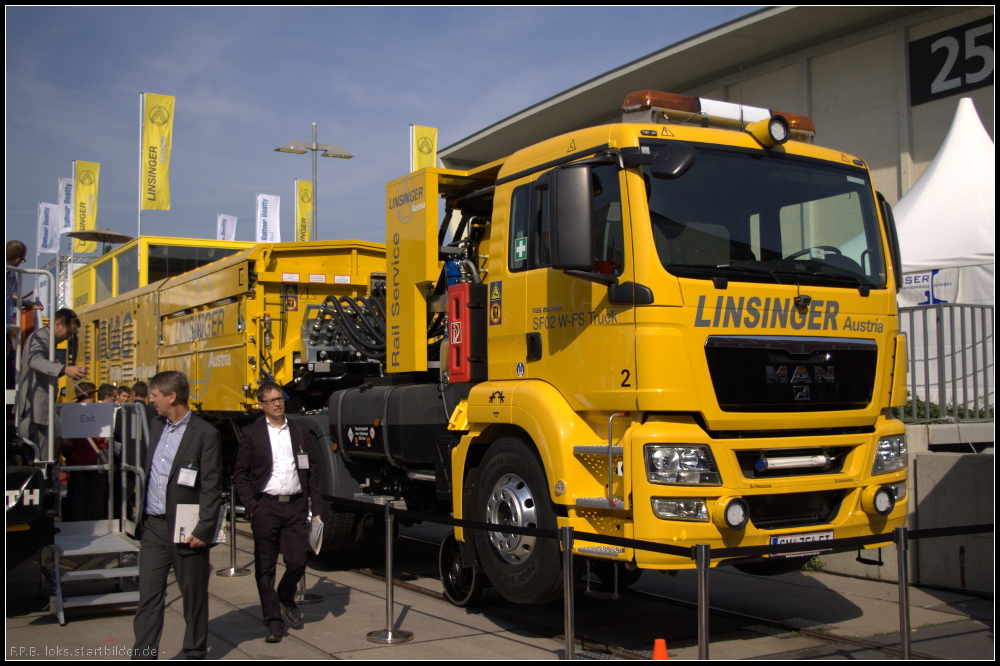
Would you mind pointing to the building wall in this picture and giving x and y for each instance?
(855, 88)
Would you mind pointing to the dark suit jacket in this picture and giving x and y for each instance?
(200, 447)
(254, 462)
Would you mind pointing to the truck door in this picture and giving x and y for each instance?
(587, 344)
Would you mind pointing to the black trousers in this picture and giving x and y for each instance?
(88, 493)
(192, 569)
(279, 527)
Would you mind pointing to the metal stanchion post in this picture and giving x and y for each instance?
(902, 539)
(232, 571)
(703, 560)
(568, 629)
(389, 635)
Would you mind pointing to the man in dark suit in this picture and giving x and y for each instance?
(183, 466)
(275, 473)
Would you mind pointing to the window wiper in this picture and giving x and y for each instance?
(745, 269)
(753, 269)
(863, 285)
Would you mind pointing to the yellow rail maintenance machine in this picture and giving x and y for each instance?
(680, 328)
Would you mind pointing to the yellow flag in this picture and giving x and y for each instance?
(423, 147)
(157, 139)
(303, 210)
(87, 175)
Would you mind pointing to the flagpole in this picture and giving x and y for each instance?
(411, 147)
(142, 116)
(313, 234)
(72, 214)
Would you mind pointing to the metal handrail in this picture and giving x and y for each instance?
(21, 272)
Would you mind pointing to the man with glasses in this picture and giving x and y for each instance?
(275, 473)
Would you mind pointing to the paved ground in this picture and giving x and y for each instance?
(946, 625)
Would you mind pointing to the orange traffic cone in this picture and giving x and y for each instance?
(660, 649)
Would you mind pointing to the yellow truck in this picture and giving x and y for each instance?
(679, 328)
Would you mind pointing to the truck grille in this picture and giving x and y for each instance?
(773, 512)
(748, 460)
(791, 374)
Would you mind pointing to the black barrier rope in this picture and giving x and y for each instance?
(847, 543)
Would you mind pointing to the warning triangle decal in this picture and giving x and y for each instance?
(666, 132)
(572, 146)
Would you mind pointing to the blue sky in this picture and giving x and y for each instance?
(250, 79)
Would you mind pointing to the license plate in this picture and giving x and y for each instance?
(811, 537)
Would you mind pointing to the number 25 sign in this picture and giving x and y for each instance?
(951, 62)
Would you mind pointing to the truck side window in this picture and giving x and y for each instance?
(517, 248)
(609, 241)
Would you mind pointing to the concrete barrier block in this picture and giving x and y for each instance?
(954, 489)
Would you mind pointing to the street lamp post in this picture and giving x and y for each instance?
(301, 148)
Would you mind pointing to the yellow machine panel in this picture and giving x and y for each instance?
(411, 220)
(212, 322)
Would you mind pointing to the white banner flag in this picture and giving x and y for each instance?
(48, 231)
(65, 201)
(42, 287)
(268, 218)
(226, 228)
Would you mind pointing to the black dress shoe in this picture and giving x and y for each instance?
(292, 614)
(274, 634)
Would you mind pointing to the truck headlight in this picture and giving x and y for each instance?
(685, 464)
(680, 508)
(890, 454)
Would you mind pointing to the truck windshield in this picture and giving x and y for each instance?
(767, 217)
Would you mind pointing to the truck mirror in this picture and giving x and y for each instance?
(890, 232)
(673, 161)
(571, 216)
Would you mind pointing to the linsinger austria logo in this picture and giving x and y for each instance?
(425, 146)
(159, 115)
(87, 178)
(405, 200)
(305, 196)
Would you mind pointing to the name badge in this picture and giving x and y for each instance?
(187, 476)
(303, 461)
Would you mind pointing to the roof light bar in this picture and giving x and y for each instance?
(652, 106)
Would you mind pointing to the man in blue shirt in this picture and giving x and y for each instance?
(183, 466)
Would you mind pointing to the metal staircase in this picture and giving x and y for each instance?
(102, 542)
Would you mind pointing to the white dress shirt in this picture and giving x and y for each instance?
(284, 479)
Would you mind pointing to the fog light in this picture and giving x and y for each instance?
(878, 500)
(731, 513)
(680, 509)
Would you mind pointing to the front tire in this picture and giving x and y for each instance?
(512, 490)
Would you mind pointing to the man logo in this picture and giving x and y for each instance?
(425, 146)
(87, 178)
(158, 115)
(305, 196)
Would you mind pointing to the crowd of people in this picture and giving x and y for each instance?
(276, 476)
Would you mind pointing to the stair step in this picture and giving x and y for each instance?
(601, 503)
(97, 599)
(98, 544)
(99, 574)
(596, 450)
(601, 551)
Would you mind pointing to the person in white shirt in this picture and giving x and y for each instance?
(275, 473)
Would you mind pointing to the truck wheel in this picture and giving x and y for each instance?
(338, 528)
(512, 491)
(463, 586)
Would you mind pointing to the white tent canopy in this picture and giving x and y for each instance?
(946, 221)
